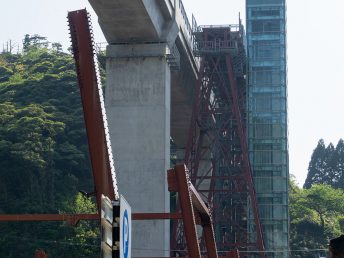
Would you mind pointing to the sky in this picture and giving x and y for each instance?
(315, 58)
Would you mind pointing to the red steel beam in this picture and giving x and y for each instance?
(91, 97)
(206, 221)
(156, 216)
(194, 210)
(189, 221)
(78, 217)
(243, 143)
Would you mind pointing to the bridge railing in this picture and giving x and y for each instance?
(216, 45)
(185, 17)
(183, 21)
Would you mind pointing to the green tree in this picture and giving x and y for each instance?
(57, 46)
(35, 40)
(326, 165)
(316, 215)
(337, 177)
(43, 153)
(325, 201)
(316, 167)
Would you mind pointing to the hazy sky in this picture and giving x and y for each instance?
(315, 58)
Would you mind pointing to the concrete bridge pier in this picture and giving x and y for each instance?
(138, 100)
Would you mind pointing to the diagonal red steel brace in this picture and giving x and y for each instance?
(93, 106)
(194, 211)
(247, 165)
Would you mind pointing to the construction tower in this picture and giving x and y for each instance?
(217, 151)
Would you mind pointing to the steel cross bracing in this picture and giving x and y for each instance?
(217, 153)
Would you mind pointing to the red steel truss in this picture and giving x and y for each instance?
(217, 152)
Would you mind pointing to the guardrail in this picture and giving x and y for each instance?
(183, 22)
(222, 44)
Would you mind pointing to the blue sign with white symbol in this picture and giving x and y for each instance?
(125, 229)
(125, 232)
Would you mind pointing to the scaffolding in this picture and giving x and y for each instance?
(217, 151)
(267, 118)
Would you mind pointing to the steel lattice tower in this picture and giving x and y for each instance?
(217, 151)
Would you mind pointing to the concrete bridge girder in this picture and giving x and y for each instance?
(148, 21)
(147, 102)
(124, 21)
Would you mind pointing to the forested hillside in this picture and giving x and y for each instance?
(43, 152)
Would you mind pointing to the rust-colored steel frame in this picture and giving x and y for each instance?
(194, 211)
(93, 106)
(219, 114)
(245, 157)
(73, 219)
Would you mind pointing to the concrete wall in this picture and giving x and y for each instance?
(137, 100)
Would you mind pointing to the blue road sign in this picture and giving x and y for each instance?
(125, 229)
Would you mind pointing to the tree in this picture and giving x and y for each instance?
(316, 215)
(325, 201)
(316, 166)
(26, 42)
(337, 178)
(326, 165)
(57, 46)
(43, 152)
(35, 41)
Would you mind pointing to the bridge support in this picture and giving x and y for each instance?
(137, 100)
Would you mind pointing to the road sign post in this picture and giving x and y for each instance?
(115, 228)
(110, 214)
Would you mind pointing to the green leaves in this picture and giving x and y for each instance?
(43, 152)
(325, 201)
(29, 132)
(326, 165)
(316, 215)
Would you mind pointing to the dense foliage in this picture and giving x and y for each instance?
(43, 152)
(316, 215)
(317, 210)
(326, 165)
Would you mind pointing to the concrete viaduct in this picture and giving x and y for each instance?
(151, 73)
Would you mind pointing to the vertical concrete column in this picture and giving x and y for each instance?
(137, 100)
